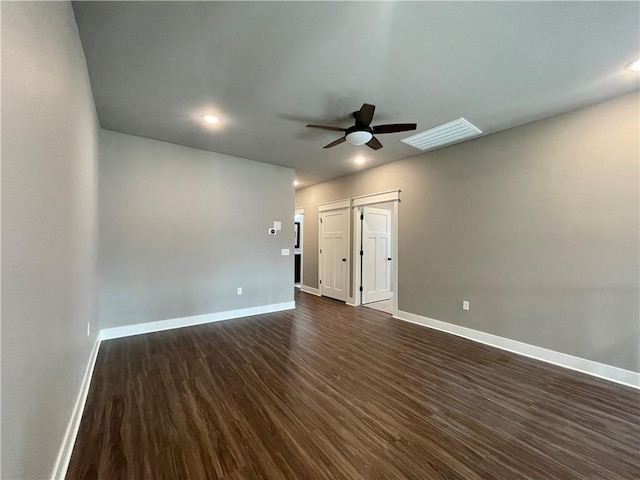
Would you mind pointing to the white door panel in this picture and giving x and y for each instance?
(334, 254)
(327, 259)
(376, 248)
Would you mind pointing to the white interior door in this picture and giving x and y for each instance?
(376, 255)
(334, 254)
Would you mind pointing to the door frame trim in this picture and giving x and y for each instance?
(335, 205)
(358, 203)
(380, 197)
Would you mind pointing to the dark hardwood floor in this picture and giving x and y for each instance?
(329, 391)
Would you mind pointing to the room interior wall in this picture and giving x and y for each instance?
(180, 229)
(536, 226)
(49, 191)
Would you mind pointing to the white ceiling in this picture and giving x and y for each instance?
(268, 68)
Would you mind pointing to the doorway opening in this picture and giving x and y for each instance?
(298, 219)
(375, 223)
(375, 261)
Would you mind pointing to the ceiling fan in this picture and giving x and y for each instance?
(362, 133)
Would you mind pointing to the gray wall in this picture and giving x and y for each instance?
(536, 226)
(49, 141)
(181, 229)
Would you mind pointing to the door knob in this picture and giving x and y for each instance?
(344, 259)
(389, 258)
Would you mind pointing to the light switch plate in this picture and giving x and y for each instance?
(239, 290)
(285, 251)
(277, 225)
(465, 305)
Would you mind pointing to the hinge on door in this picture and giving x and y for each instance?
(361, 253)
(360, 287)
(320, 218)
(320, 281)
(362, 216)
(320, 250)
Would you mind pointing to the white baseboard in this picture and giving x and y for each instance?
(311, 290)
(141, 328)
(600, 370)
(66, 449)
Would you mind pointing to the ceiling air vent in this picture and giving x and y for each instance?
(444, 134)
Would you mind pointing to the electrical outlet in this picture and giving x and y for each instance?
(88, 329)
(465, 305)
(285, 251)
(239, 291)
(272, 231)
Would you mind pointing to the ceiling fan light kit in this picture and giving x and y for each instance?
(359, 137)
(362, 133)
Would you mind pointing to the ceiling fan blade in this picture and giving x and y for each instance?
(337, 142)
(365, 115)
(328, 127)
(394, 127)
(374, 143)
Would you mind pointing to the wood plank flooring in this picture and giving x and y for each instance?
(329, 391)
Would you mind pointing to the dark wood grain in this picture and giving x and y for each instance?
(329, 391)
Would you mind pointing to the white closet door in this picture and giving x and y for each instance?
(376, 256)
(334, 254)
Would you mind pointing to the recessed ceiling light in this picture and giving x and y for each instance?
(210, 118)
(359, 160)
(634, 66)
